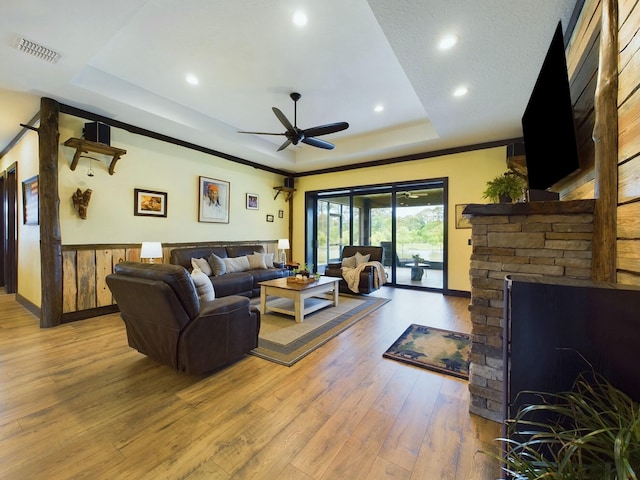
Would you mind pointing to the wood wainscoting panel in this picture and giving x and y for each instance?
(69, 283)
(104, 266)
(86, 275)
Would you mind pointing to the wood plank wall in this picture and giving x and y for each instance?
(582, 61)
(628, 244)
(85, 267)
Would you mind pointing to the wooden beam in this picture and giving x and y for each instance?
(605, 138)
(50, 239)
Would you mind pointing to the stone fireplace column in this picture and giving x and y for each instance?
(542, 239)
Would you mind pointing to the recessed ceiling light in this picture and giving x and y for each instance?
(192, 79)
(300, 19)
(378, 108)
(447, 42)
(460, 91)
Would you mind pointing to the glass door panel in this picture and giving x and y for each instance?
(420, 237)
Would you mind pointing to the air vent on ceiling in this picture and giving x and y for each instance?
(32, 48)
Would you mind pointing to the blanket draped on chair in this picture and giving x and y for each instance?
(352, 275)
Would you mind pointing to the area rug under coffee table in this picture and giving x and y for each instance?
(427, 347)
(282, 340)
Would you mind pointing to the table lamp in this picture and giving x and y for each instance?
(283, 244)
(151, 250)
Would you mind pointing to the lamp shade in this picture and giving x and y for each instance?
(151, 250)
(283, 244)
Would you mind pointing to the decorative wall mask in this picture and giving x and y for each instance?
(81, 201)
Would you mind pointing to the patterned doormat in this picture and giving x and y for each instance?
(441, 350)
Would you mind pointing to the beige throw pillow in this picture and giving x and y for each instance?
(349, 262)
(202, 265)
(203, 285)
(256, 261)
(360, 259)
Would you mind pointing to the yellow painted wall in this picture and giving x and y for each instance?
(25, 154)
(160, 166)
(467, 173)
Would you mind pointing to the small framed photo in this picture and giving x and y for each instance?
(30, 205)
(149, 203)
(461, 222)
(269, 218)
(252, 201)
(214, 200)
(280, 213)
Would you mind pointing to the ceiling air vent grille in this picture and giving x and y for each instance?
(37, 50)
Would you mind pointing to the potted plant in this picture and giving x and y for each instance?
(505, 188)
(590, 432)
(305, 270)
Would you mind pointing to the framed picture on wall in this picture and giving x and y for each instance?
(149, 203)
(461, 222)
(252, 201)
(269, 218)
(31, 210)
(213, 200)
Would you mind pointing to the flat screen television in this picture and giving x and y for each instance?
(548, 123)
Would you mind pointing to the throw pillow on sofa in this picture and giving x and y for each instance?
(256, 261)
(203, 285)
(268, 260)
(217, 265)
(349, 262)
(236, 264)
(202, 265)
(360, 259)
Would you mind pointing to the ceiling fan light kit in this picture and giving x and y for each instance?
(296, 135)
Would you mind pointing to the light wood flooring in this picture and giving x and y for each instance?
(77, 402)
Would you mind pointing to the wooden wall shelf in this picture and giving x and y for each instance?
(86, 146)
(288, 190)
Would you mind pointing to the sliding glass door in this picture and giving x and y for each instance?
(407, 220)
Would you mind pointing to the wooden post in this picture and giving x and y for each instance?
(605, 137)
(50, 239)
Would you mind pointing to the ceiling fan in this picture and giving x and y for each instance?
(295, 135)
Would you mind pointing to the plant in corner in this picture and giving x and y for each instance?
(504, 188)
(590, 432)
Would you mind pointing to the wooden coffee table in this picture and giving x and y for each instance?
(325, 288)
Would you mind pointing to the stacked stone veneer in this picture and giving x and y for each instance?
(543, 239)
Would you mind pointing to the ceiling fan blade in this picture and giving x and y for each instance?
(325, 129)
(285, 144)
(261, 133)
(316, 142)
(283, 120)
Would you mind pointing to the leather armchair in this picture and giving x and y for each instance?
(165, 320)
(366, 283)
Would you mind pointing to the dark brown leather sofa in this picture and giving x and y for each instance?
(239, 283)
(366, 283)
(165, 320)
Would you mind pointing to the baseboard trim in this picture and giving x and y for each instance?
(84, 314)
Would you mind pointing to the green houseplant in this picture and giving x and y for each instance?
(590, 432)
(504, 188)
